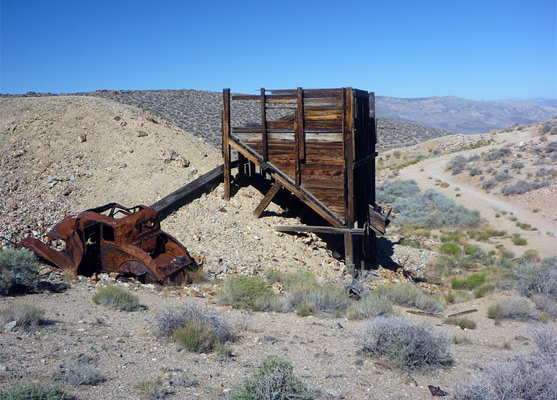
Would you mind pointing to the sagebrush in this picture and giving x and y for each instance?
(19, 271)
(405, 343)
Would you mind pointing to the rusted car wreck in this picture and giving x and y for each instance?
(113, 238)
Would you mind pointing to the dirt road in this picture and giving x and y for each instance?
(492, 206)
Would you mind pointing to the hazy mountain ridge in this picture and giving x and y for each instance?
(463, 115)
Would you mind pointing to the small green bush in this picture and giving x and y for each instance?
(27, 316)
(461, 322)
(303, 310)
(497, 154)
(249, 292)
(450, 249)
(519, 241)
(408, 345)
(411, 243)
(33, 391)
(471, 282)
(19, 271)
(273, 379)
(456, 297)
(482, 290)
(327, 298)
(116, 297)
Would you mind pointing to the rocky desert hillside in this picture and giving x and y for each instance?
(63, 154)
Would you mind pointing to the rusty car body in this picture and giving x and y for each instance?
(113, 238)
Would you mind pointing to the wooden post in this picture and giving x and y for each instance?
(264, 140)
(299, 137)
(225, 145)
(241, 166)
(348, 139)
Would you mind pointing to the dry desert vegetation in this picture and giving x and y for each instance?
(463, 304)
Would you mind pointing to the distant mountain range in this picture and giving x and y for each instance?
(465, 116)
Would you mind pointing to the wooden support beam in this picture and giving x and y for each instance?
(267, 199)
(318, 229)
(225, 137)
(176, 199)
(264, 127)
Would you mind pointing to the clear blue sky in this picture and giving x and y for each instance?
(488, 49)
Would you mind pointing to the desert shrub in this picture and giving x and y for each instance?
(116, 297)
(450, 249)
(461, 322)
(517, 165)
(489, 184)
(19, 271)
(407, 344)
(482, 235)
(513, 307)
(482, 290)
(531, 277)
(83, 374)
(327, 298)
(431, 209)
(503, 176)
(497, 154)
(475, 171)
(519, 241)
(195, 328)
(33, 391)
(26, 316)
(273, 379)
(457, 164)
(249, 292)
(411, 243)
(530, 377)
(531, 255)
(405, 294)
(152, 388)
(544, 172)
(471, 282)
(369, 307)
(457, 296)
(306, 295)
(546, 127)
(546, 304)
(475, 253)
(522, 187)
(389, 191)
(551, 147)
(553, 131)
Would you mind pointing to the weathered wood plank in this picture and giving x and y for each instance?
(225, 145)
(267, 199)
(317, 229)
(176, 199)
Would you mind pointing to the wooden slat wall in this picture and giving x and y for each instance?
(318, 145)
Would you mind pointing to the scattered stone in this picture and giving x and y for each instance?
(9, 326)
(82, 137)
(142, 134)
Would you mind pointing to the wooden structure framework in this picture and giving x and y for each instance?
(322, 150)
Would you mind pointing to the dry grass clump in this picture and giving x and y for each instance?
(405, 294)
(370, 306)
(461, 322)
(198, 330)
(19, 271)
(33, 391)
(532, 377)
(25, 315)
(116, 297)
(249, 292)
(83, 374)
(408, 345)
(273, 379)
(514, 307)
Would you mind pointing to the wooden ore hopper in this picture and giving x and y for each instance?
(322, 149)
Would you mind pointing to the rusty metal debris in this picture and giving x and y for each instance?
(113, 238)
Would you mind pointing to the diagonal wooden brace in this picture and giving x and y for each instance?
(267, 199)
